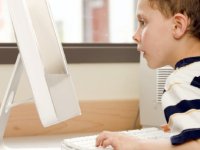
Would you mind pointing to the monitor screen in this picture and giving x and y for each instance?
(44, 61)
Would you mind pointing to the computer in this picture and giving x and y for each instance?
(42, 57)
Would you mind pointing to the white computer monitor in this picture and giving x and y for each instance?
(151, 88)
(41, 56)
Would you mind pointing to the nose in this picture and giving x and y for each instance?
(136, 37)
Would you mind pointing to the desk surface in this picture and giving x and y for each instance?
(33, 143)
(36, 142)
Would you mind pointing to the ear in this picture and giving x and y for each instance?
(180, 25)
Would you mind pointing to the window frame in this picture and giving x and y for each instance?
(82, 53)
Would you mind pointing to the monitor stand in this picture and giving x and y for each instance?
(9, 96)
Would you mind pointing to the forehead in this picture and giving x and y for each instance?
(143, 4)
(144, 9)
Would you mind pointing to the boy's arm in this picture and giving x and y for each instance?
(124, 142)
(165, 144)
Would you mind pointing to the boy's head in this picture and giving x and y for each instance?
(167, 30)
(190, 8)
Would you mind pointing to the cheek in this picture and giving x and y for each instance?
(155, 38)
(149, 40)
(152, 47)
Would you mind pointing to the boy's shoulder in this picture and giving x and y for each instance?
(183, 75)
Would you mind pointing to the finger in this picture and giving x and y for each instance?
(107, 142)
(100, 138)
(165, 128)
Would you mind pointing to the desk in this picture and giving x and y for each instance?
(38, 142)
(35, 142)
(96, 116)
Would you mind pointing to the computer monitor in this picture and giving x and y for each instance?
(42, 57)
(151, 88)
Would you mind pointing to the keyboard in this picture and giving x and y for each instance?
(88, 142)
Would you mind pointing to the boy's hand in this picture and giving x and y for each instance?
(165, 127)
(116, 140)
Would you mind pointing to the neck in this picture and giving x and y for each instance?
(189, 47)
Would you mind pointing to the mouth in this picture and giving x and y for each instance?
(142, 53)
(140, 50)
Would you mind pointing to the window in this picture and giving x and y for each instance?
(84, 21)
(6, 33)
(92, 31)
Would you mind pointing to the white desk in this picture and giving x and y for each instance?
(33, 143)
(36, 142)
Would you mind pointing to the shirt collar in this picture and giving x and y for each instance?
(186, 61)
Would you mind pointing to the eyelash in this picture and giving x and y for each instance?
(141, 22)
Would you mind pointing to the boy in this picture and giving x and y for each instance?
(169, 34)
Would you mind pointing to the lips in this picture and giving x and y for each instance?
(140, 50)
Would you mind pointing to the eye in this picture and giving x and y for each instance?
(142, 22)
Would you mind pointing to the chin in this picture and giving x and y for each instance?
(154, 66)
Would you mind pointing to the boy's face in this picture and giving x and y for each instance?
(154, 35)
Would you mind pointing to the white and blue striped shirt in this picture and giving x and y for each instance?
(181, 101)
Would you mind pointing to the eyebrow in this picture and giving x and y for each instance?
(140, 16)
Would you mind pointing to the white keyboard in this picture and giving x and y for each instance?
(88, 142)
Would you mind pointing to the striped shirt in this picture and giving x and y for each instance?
(181, 101)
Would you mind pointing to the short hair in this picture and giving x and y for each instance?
(191, 8)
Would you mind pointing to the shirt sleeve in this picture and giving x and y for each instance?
(181, 105)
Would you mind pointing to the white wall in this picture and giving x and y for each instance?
(92, 81)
